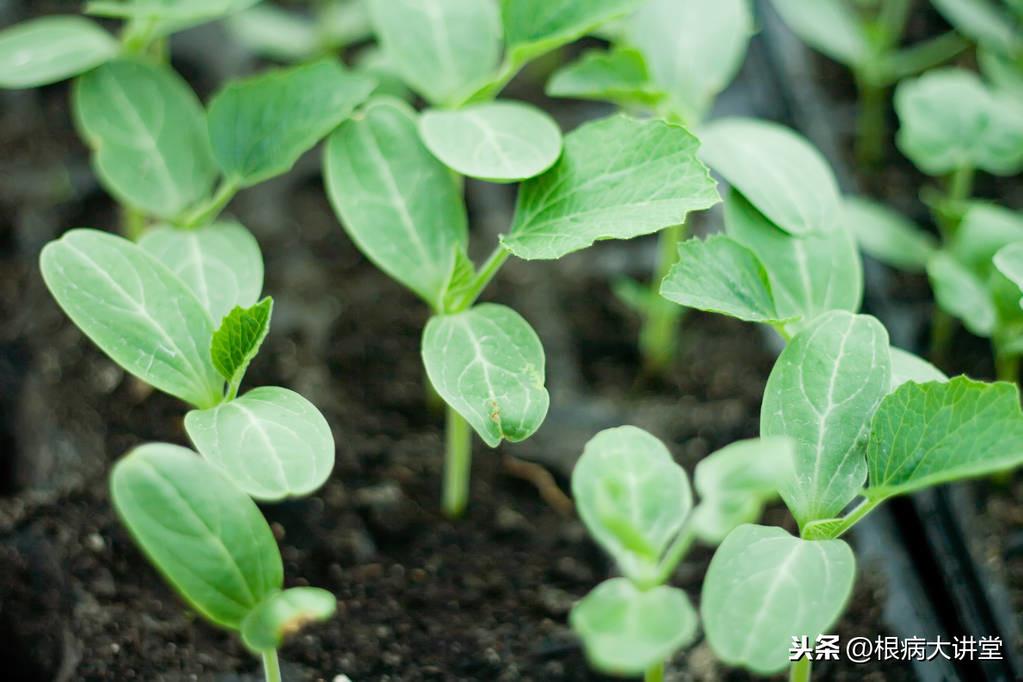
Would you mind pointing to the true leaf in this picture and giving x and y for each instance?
(283, 614)
(765, 586)
(487, 363)
(822, 392)
(617, 178)
(399, 204)
(260, 126)
(533, 27)
(626, 631)
(136, 310)
(501, 141)
(620, 75)
(148, 135)
(237, 340)
(271, 442)
(206, 537)
(927, 434)
(962, 294)
(830, 26)
(50, 49)
(220, 263)
(909, 367)
(632, 496)
(887, 236)
(777, 170)
(443, 49)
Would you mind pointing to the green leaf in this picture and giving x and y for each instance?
(260, 126)
(271, 442)
(50, 49)
(443, 49)
(1001, 72)
(220, 263)
(928, 434)
(148, 135)
(950, 119)
(822, 392)
(909, 367)
(632, 496)
(829, 26)
(736, 482)
(618, 178)
(238, 339)
(764, 586)
(283, 614)
(983, 22)
(163, 17)
(399, 204)
(694, 48)
(136, 310)
(501, 141)
(533, 27)
(984, 229)
(626, 631)
(488, 364)
(1009, 261)
(809, 275)
(206, 537)
(270, 31)
(619, 76)
(777, 170)
(886, 235)
(962, 294)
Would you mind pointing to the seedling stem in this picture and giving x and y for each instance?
(654, 673)
(271, 666)
(457, 464)
(800, 670)
(659, 337)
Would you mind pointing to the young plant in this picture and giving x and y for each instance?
(866, 37)
(394, 178)
(637, 504)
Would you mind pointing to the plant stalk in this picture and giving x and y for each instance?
(871, 126)
(942, 330)
(457, 464)
(658, 338)
(800, 670)
(1006, 366)
(654, 673)
(271, 666)
(208, 211)
(866, 505)
(681, 544)
(486, 273)
(133, 222)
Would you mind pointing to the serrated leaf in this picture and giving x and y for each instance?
(148, 134)
(220, 263)
(908, 367)
(832, 27)
(822, 392)
(260, 126)
(488, 364)
(722, 276)
(632, 496)
(928, 434)
(136, 310)
(399, 204)
(777, 170)
(283, 614)
(626, 631)
(765, 586)
(962, 294)
(271, 442)
(736, 482)
(49, 49)
(533, 27)
(206, 537)
(694, 48)
(443, 49)
(238, 339)
(502, 141)
(619, 75)
(887, 235)
(617, 178)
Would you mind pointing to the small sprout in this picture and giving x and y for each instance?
(284, 614)
(238, 340)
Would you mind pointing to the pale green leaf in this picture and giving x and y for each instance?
(985, 229)
(909, 367)
(148, 135)
(962, 294)
(163, 17)
(887, 235)
(503, 141)
(626, 631)
(617, 178)
(444, 49)
(632, 496)
(260, 126)
(220, 263)
(1009, 261)
(374, 62)
(270, 31)
(50, 49)
(399, 204)
(206, 537)
(136, 310)
(619, 75)
(765, 587)
(831, 26)
(928, 434)
(984, 22)
(1001, 72)
(533, 27)
(822, 392)
(238, 339)
(271, 442)
(487, 363)
(777, 170)
(283, 614)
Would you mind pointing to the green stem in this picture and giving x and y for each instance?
(1006, 365)
(800, 670)
(942, 329)
(511, 65)
(208, 211)
(866, 505)
(133, 222)
(484, 275)
(654, 673)
(457, 464)
(271, 667)
(658, 338)
(683, 541)
(960, 185)
(871, 126)
(958, 189)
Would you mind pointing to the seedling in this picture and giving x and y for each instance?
(637, 504)
(394, 178)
